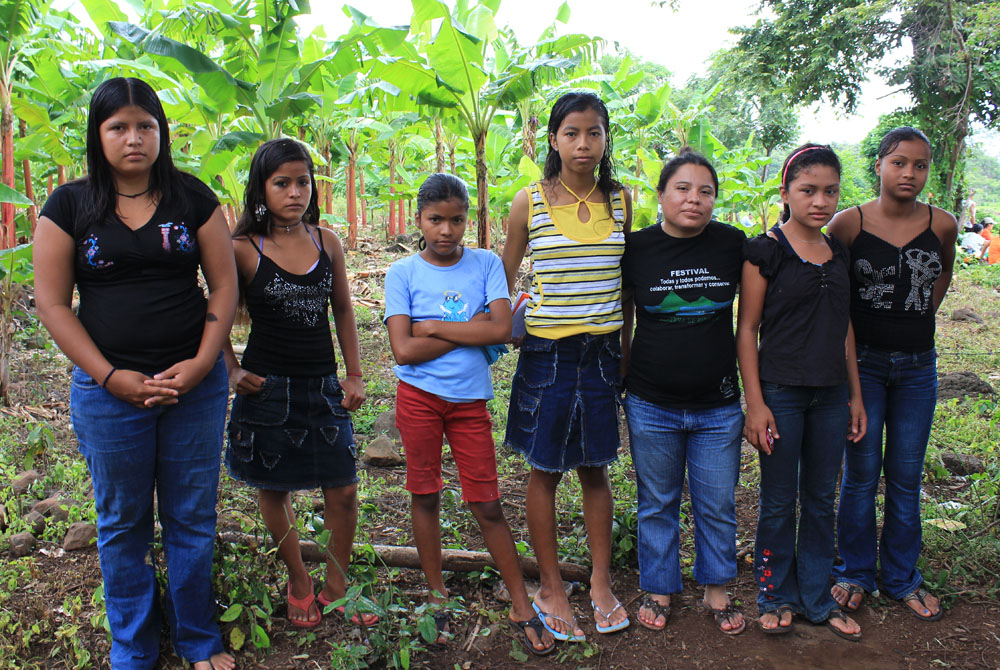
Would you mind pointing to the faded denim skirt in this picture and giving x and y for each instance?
(292, 435)
(564, 401)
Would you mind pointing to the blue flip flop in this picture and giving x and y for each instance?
(610, 628)
(562, 637)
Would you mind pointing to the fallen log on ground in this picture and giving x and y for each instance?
(455, 560)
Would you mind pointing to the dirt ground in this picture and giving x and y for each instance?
(967, 637)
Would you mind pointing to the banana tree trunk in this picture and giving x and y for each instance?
(50, 185)
(352, 204)
(7, 209)
(62, 175)
(392, 203)
(29, 189)
(482, 194)
(439, 145)
(364, 204)
(328, 186)
(528, 131)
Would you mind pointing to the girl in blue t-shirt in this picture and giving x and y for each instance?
(443, 305)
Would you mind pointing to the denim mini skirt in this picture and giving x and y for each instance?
(291, 435)
(564, 401)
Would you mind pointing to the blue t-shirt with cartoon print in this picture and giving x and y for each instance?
(423, 291)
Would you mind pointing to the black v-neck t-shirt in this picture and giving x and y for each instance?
(803, 329)
(140, 300)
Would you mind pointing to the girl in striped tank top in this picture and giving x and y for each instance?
(565, 395)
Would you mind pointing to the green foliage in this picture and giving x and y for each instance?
(826, 47)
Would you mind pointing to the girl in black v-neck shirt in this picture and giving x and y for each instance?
(148, 398)
(802, 392)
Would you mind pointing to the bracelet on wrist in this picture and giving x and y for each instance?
(110, 372)
(354, 374)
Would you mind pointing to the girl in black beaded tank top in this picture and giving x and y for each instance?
(902, 252)
(289, 428)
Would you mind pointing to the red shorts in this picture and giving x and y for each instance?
(422, 419)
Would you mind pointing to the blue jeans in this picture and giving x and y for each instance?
(899, 391)
(173, 450)
(792, 565)
(663, 441)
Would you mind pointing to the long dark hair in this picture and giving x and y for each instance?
(102, 195)
(439, 187)
(271, 155)
(687, 156)
(581, 101)
(802, 157)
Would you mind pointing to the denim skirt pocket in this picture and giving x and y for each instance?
(269, 406)
(538, 362)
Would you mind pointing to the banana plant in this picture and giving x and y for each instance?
(468, 65)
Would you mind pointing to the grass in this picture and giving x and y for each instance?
(961, 538)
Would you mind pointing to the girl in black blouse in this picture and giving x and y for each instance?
(802, 392)
(148, 398)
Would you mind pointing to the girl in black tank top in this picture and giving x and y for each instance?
(901, 265)
(289, 426)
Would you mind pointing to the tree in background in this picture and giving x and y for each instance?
(825, 48)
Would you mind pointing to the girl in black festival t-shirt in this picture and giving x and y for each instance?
(148, 399)
(290, 428)
(902, 252)
(683, 398)
(802, 393)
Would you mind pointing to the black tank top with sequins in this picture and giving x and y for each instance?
(892, 290)
(290, 331)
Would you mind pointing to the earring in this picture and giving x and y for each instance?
(260, 212)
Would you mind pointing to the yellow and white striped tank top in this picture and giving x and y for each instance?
(577, 287)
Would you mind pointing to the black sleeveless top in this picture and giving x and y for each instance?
(892, 290)
(290, 328)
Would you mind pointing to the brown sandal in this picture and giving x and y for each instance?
(657, 609)
(726, 614)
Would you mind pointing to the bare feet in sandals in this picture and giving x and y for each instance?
(220, 661)
(923, 605)
(776, 621)
(848, 595)
(654, 612)
(729, 619)
(557, 614)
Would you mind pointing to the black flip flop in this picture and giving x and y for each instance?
(839, 614)
(535, 624)
(919, 594)
(779, 629)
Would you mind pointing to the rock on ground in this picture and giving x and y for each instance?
(79, 536)
(962, 464)
(961, 384)
(22, 544)
(23, 481)
(385, 424)
(382, 452)
(966, 314)
(35, 521)
(53, 507)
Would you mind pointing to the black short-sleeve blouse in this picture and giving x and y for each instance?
(806, 314)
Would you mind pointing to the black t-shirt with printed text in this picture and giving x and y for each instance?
(139, 295)
(684, 349)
